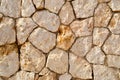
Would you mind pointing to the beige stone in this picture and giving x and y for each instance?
(54, 5)
(79, 67)
(102, 15)
(84, 8)
(7, 31)
(57, 61)
(39, 4)
(96, 56)
(42, 39)
(82, 46)
(24, 27)
(44, 71)
(9, 62)
(66, 14)
(115, 5)
(100, 35)
(1, 16)
(82, 27)
(65, 37)
(47, 20)
(1, 78)
(65, 76)
(100, 1)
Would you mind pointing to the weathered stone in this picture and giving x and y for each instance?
(115, 5)
(31, 59)
(10, 8)
(58, 61)
(47, 20)
(54, 5)
(84, 8)
(114, 24)
(24, 28)
(82, 27)
(39, 4)
(1, 15)
(42, 39)
(27, 8)
(66, 14)
(101, 1)
(82, 46)
(113, 61)
(112, 45)
(96, 56)
(99, 36)
(9, 62)
(65, 76)
(7, 31)
(102, 15)
(44, 71)
(65, 37)
(102, 72)
(79, 67)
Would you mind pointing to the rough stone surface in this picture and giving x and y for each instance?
(42, 39)
(82, 27)
(115, 5)
(84, 9)
(24, 27)
(39, 4)
(100, 1)
(44, 71)
(82, 46)
(58, 61)
(102, 15)
(64, 36)
(65, 76)
(79, 67)
(47, 20)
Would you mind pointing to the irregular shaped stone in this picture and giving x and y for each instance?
(39, 4)
(54, 5)
(27, 8)
(31, 59)
(96, 56)
(65, 37)
(102, 15)
(102, 72)
(111, 45)
(100, 35)
(10, 8)
(84, 8)
(114, 24)
(24, 27)
(113, 61)
(115, 5)
(82, 27)
(65, 76)
(58, 61)
(66, 14)
(7, 31)
(44, 71)
(42, 39)
(101, 1)
(9, 62)
(82, 46)
(47, 20)
(79, 67)
(23, 75)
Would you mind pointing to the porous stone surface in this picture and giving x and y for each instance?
(65, 76)
(114, 5)
(39, 3)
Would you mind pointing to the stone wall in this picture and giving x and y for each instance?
(59, 39)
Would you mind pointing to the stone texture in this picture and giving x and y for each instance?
(96, 56)
(102, 15)
(24, 27)
(27, 8)
(66, 14)
(115, 5)
(84, 8)
(64, 36)
(65, 76)
(114, 24)
(39, 3)
(9, 62)
(79, 67)
(82, 46)
(82, 27)
(10, 8)
(7, 31)
(31, 59)
(44, 71)
(100, 1)
(99, 36)
(57, 61)
(47, 20)
(54, 5)
(42, 39)
(111, 45)
(102, 72)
